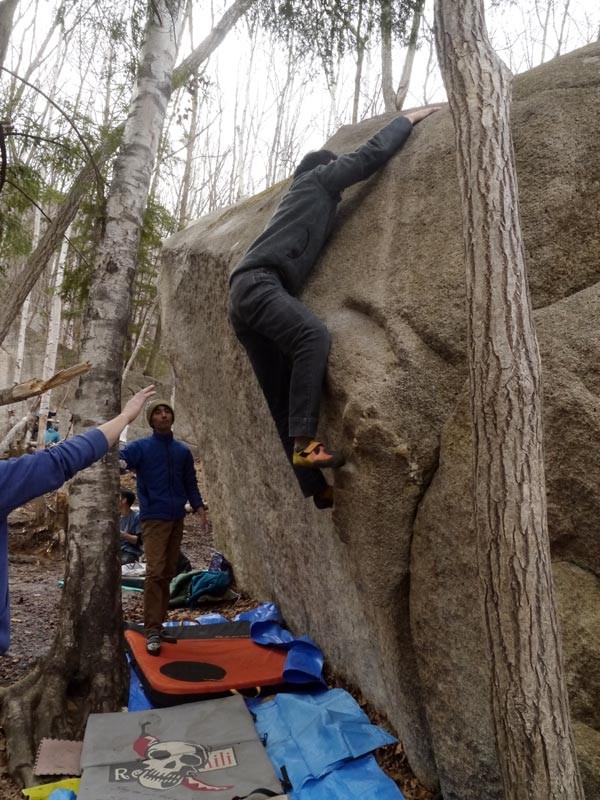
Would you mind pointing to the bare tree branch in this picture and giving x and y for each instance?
(208, 45)
(99, 177)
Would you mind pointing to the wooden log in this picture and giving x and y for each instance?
(35, 386)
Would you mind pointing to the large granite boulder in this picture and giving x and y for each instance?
(387, 583)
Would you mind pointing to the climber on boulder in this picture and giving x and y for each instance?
(286, 343)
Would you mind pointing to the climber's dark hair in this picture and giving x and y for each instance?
(314, 159)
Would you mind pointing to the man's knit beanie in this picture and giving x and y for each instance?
(151, 407)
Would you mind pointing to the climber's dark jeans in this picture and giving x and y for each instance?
(288, 348)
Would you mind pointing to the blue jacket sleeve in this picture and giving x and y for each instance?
(137, 525)
(29, 476)
(131, 455)
(353, 167)
(191, 483)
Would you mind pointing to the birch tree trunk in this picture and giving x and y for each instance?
(84, 670)
(528, 694)
(49, 365)
(24, 321)
(410, 57)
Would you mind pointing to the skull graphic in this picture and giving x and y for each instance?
(167, 764)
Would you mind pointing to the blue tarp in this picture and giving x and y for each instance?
(314, 735)
(304, 663)
(361, 779)
(137, 697)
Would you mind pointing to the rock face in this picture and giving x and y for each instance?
(387, 583)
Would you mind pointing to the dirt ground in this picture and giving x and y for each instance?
(36, 564)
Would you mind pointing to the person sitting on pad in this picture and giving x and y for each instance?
(130, 529)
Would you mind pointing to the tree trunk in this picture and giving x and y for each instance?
(24, 322)
(7, 10)
(529, 703)
(151, 365)
(283, 108)
(52, 341)
(20, 427)
(241, 130)
(387, 78)
(85, 670)
(545, 24)
(140, 340)
(361, 43)
(360, 57)
(51, 238)
(189, 162)
(21, 339)
(561, 34)
(410, 58)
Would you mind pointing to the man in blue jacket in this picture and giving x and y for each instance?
(22, 479)
(286, 343)
(166, 480)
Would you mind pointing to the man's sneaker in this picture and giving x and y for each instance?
(315, 456)
(153, 643)
(167, 638)
(324, 498)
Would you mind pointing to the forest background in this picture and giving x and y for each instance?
(254, 86)
(284, 78)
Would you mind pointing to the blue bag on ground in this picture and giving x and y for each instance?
(214, 584)
(313, 734)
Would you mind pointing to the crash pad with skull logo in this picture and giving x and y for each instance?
(177, 753)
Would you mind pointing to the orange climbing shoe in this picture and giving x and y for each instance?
(315, 456)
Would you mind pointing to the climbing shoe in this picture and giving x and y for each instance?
(315, 456)
(153, 643)
(167, 638)
(324, 498)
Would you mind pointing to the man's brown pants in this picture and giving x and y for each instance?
(162, 542)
